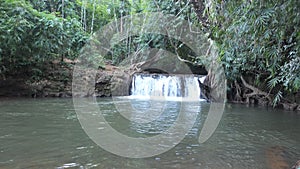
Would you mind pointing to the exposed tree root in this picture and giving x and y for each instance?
(263, 98)
(238, 92)
(255, 92)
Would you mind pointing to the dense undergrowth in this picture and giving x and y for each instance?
(258, 41)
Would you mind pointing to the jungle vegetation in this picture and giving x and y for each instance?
(258, 41)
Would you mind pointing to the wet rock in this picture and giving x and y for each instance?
(275, 157)
(289, 106)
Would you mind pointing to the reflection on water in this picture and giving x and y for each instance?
(45, 133)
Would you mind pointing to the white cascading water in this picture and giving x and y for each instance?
(159, 86)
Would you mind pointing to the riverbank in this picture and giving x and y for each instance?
(56, 81)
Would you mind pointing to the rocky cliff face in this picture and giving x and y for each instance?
(57, 82)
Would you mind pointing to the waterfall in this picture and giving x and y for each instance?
(161, 86)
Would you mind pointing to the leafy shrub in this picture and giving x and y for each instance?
(30, 38)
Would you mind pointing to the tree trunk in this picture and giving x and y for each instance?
(93, 16)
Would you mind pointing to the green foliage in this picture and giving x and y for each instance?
(37, 32)
(259, 39)
(136, 44)
(31, 38)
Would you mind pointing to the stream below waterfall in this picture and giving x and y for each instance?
(45, 133)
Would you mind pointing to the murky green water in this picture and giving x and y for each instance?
(45, 133)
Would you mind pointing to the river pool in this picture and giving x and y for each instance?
(45, 133)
